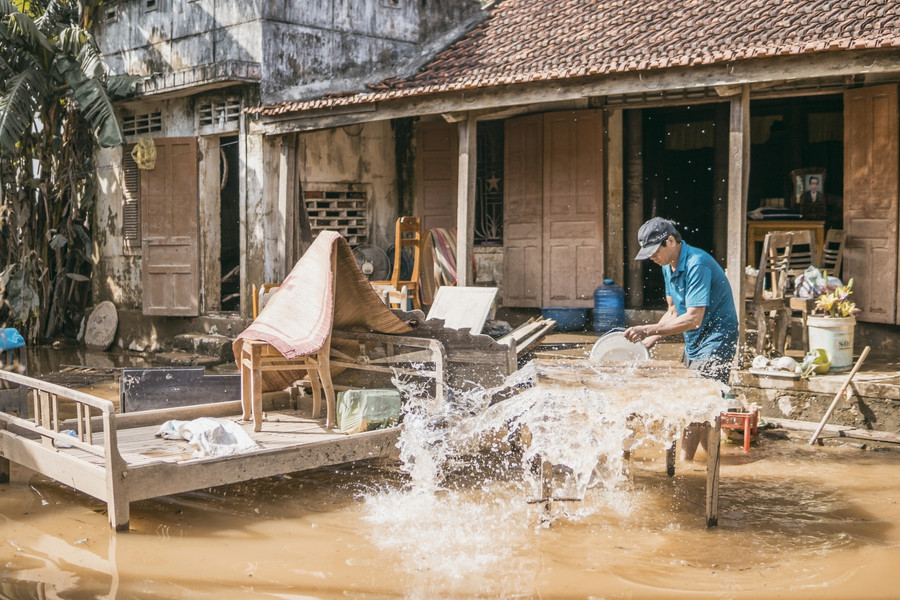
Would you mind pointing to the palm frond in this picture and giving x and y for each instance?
(24, 94)
(5, 70)
(23, 27)
(122, 86)
(56, 16)
(92, 63)
(93, 102)
(70, 39)
(7, 8)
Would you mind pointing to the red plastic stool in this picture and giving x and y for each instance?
(748, 421)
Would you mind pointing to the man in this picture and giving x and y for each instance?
(700, 306)
(812, 194)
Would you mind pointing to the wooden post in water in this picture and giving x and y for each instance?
(546, 486)
(670, 460)
(713, 443)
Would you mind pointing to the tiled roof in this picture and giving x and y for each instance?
(542, 40)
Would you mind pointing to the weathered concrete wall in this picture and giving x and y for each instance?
(865, 412)
(180, 34)
(358, 155)
(305, 48)
(324, 46)
(117, 270)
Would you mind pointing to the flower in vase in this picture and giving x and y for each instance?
(836, 303)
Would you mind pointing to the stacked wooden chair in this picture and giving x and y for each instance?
(769, 305)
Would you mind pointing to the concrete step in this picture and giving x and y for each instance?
(185, 359)
(208, 344)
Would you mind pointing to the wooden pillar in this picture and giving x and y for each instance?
(286, 215)
(738, 176)
(720, 184)
(634, 205)
(465, 211)
(614, 242)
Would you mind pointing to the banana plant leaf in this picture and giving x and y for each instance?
(94, 103)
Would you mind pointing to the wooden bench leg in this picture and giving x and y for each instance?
(714, 441)
(246, 376)
(670, 460)
(316, 387)
(330, 402)
(119, 513)
(4, 462)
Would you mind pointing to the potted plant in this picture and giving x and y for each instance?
(832, 324)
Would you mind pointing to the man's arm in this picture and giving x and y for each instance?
(671, 323)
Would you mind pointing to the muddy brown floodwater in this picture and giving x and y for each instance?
(794, 522)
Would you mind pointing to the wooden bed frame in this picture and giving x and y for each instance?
(118, 459)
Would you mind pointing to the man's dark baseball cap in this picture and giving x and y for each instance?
(652, 234)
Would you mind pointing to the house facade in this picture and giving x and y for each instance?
(173, 241)
(546, 134)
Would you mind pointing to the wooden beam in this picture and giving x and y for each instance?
(286, 217)
(614, 242)
(465, 215)
(634, 204)
(738, 174)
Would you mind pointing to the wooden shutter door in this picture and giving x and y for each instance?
(169, 233)
(437, 164)
(522, 212)
(870, 200)
(573, 207)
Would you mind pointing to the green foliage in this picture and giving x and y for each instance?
(55, 107)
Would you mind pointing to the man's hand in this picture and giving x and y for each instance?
(642, 333)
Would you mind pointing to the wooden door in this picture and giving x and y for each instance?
(437, 165)
(573, 207)
(169, 232)
(870, 200)
(523, 212)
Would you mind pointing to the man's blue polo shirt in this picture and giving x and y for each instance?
(698, 280)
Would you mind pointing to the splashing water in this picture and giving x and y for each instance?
(471, 463)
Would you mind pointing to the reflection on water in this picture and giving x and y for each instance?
(794, 522)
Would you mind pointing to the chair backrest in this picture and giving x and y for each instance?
(832, 255)
(804, 252)
(261, 296)
(408, 235)
(774, 263)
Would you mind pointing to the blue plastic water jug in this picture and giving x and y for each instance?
(609, 307)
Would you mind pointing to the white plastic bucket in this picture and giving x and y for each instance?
(835, 337)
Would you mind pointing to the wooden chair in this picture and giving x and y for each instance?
(829, 260)
(832, 256)
(804, 254)
(770, 298)
(261, 296)
(408, 234)
(258, 356)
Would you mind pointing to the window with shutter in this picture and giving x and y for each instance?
(131, 202)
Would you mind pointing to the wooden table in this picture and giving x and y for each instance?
(757, 230)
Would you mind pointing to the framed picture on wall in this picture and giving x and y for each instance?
(809, 192)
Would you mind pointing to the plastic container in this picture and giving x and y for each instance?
(614, 347)
(365, 410)
(835, 337)
(567, 318)
(609, 307)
